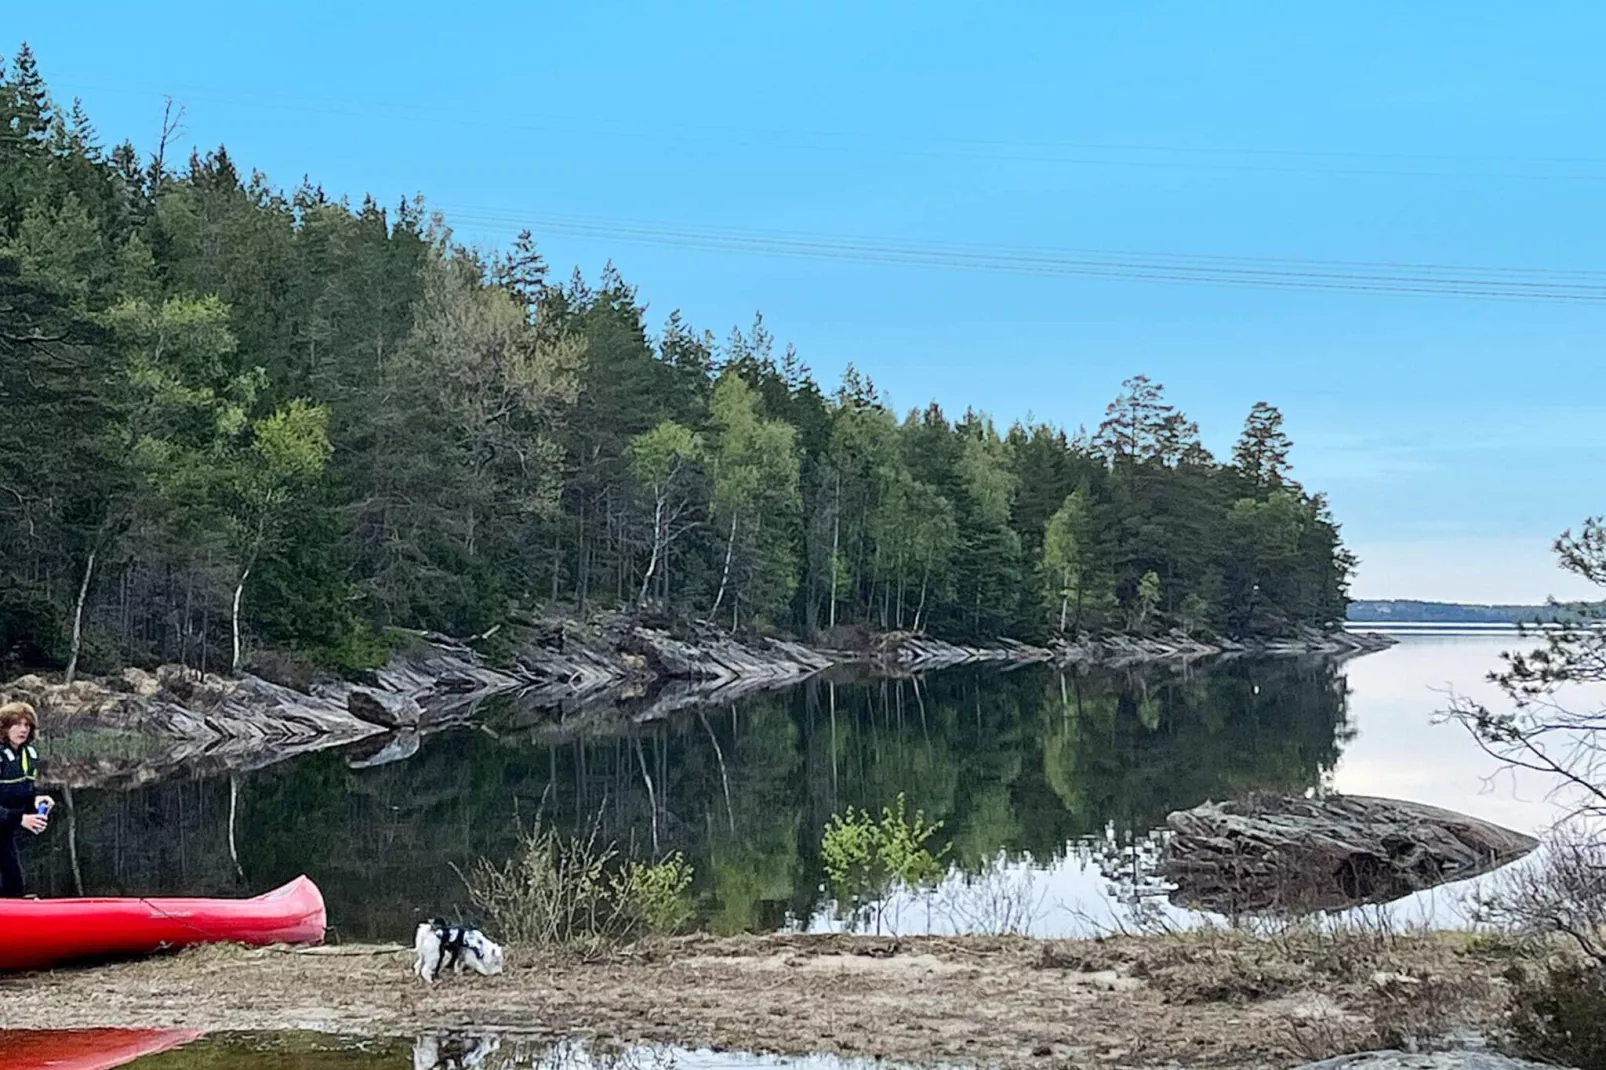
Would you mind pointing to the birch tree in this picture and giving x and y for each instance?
(661, 459)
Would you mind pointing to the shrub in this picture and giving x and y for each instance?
(654, 896)
(561, 891)
(1558, 1015)
(866, 860)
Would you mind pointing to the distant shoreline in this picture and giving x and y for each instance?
(1397, 612)
(1449, 626)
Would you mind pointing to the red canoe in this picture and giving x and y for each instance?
(87, 1049)
(47, 932)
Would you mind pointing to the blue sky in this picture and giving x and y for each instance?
(1455, 437)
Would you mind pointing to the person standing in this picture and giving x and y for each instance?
(22, 808)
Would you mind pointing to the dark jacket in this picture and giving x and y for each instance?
(19, 775)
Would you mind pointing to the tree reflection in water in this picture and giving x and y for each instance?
(1027, 765)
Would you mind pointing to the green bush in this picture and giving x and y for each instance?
(866, 860)
(654, 896)
(570, 892)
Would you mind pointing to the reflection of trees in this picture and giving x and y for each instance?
(1021, 762)
(1128, 751)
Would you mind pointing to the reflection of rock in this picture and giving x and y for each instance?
(909, 652)
(142, 726)
(382, 750)
(1271, 854)
(1443, 1060)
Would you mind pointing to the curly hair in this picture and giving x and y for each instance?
(13, 713)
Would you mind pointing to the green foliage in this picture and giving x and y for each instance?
(654, 895)
(657, 455)
(866, 860)
(570, 892)
(213, 387)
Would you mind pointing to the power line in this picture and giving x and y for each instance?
(881, 142)
(1438, 280)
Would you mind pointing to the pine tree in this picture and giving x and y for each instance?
(31, 110)
(1261, 453)
(489, 442)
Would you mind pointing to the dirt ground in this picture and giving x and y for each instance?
(1212, 1000)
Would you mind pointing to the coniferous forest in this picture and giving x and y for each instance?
(238, 417)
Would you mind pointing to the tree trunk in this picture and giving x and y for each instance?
(239, 593)
(652, 796)
(78, 618)
(1065, 607)
(72, 842)
(925, 577)
(724, 578)
(557, 564)
(836, 538)
(234, 809)
(657, 548)
(724, 776)
(898, 617)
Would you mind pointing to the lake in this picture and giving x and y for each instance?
(1048, 786)
(441, 1050)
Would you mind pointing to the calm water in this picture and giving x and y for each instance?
(430, 1051)
(1047, 785)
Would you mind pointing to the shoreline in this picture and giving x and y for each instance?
(1217, 999)
(131, 727)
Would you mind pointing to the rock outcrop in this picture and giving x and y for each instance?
(143, 726)
(629, 668)
(1295, 855)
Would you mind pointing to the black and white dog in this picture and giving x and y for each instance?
(440, 946)
(454, 1051)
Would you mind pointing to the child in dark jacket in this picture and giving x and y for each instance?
(22, 808)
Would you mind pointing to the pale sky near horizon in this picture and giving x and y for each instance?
(1456, 437)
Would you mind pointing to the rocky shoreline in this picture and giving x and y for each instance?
(141, 726)
(908, 652)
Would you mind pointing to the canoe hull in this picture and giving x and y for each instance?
(48, 932)
(87, 1049)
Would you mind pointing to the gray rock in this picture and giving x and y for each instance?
(1271, 854)
(1447, 1060)
(385, 708)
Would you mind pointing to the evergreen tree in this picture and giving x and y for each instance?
(1261, 454)
(229, 408)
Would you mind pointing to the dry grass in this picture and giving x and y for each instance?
(1217, 999)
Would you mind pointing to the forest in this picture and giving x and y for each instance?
(238, 418)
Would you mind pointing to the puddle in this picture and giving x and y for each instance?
(155, 1049)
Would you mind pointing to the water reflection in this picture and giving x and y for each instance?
(1048, 786)
(441, 1050)
(1023, 766)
